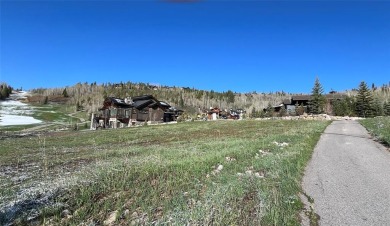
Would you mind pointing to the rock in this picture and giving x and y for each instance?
(125, 213)
(111, 218)
(258, 175)
(248, 172)
(65, 213)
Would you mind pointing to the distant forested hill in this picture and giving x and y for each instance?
(89, 96)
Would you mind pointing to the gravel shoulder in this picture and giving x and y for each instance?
(348, 177)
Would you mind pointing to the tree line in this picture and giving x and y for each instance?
(89, 96)
(364, 103)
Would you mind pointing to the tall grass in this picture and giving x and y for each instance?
(378, 127)
(199, 173)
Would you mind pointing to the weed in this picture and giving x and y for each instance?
(379, 127)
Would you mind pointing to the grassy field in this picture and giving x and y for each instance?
(378, 127)
(53, 116)
(197, 173)
(54, 113)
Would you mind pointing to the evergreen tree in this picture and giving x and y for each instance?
(65, 93)
(377, 107)
(46, 101)
(386, 108)
(317, 101)
(5, 91)
(230, 96)
(339, 108)
(105, 94)
(253, 114)
(270, 110)
(364, 101)
(344, 107)
(181, 102)
(283, 111)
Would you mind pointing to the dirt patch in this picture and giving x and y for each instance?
(30, 188)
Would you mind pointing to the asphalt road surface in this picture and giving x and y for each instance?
(349, 177)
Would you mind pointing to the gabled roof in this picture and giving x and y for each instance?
(140, 102)
(144, 97)
(287, 101)
(301, 97)
(117, 101)
(308, 97)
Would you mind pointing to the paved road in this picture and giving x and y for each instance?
(349, 177)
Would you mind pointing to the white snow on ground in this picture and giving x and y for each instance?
(11, 120)
(14, 112)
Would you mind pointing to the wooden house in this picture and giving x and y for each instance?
(236, 113)
(214, 113)
(290, 104)
(114, 113)
(147, 108)
(118, 112)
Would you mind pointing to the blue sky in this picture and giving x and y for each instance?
(214, 45)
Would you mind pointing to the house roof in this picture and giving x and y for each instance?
(144, 97)
(287, 101)
(117, 101)
(140, 102)
(331, 96)
(301, 97)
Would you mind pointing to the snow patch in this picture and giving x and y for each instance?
(14, 112)
(10, 120)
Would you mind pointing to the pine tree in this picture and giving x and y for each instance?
(65, 93)
(230, 96)
(386, 108)
(5, 91)
(283, 111)
(253, 114)
(377, 107)
(270, 110)
(364, 101)
(181, 102)
(339, 108)
(317, 101)
(46, 101)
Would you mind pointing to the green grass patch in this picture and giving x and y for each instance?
(53, 113)
(15, 128)
(378, 127)
(199, 173)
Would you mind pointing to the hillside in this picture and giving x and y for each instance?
(89, 96)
